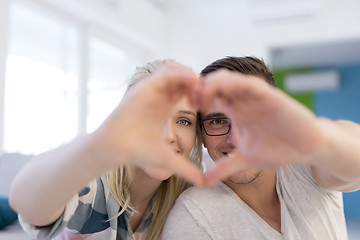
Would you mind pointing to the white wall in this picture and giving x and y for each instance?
(137, 25)
(330, 21)
(140, 24)
(199, 33)
(4, 7)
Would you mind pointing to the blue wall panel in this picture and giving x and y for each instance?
(343, 104)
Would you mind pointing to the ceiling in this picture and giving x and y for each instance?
(331, 53)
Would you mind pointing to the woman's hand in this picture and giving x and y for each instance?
(133, 133)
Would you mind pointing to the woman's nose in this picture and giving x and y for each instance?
(169, 132)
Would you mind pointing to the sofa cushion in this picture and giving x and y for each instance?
(7, 215)
(10, 164)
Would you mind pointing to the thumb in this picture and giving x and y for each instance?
(225, 167)
(180, 166)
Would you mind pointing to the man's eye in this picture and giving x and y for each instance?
(217, 121)
(184, 122)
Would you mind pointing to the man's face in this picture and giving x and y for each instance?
(220, 146)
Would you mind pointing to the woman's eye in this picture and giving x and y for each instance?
(184, 122)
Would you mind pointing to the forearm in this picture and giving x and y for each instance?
(44, 186)
(337, 165)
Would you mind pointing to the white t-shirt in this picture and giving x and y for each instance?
(308, 211)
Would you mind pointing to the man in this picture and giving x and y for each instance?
(286, 168)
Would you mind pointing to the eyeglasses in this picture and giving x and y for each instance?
(216, 126)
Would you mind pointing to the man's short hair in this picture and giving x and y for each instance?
(245, 65)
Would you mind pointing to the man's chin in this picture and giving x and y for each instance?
(244, 177)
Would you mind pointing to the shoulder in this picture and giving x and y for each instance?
(299, 172)
(297, 178)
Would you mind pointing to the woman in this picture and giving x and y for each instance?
(132, 201)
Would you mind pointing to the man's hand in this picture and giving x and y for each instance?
(271, 129)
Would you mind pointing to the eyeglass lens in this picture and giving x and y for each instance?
(216, 126)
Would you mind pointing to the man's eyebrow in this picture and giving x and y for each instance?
(216, 114)
(187, 112)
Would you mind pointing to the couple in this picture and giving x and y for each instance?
(283, 169)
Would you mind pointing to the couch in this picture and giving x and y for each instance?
(10, 164)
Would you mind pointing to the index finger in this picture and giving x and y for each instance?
(178, 80)
(231, 87)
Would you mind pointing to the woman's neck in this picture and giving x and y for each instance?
(142, 189)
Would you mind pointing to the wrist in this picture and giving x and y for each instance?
(325, 149)
(105, 152)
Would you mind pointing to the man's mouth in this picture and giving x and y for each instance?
(226, 154)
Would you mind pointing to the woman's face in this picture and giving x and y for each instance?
(180, 133)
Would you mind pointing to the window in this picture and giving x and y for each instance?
(109, 70)
(42, 86)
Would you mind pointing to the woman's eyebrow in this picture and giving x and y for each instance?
(187, 112)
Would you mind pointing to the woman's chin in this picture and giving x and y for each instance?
(158, 173)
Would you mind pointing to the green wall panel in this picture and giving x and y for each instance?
(307, 99)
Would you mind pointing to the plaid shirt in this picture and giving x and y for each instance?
(90, 215)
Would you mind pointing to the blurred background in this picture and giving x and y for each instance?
(64, 64)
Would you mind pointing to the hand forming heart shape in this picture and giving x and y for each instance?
(269, 128)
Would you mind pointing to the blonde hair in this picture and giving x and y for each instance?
(119, 180)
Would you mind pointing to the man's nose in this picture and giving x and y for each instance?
(231, 138)
(169, 132)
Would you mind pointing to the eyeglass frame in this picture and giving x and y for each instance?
(211, 118)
